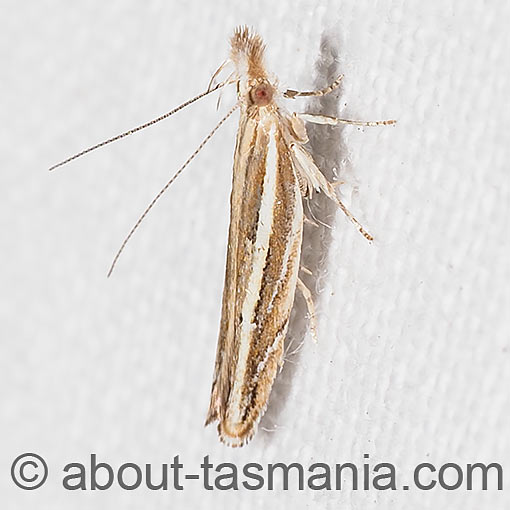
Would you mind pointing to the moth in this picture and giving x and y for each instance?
(273, 174)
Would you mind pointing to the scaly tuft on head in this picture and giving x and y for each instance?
(247, 53)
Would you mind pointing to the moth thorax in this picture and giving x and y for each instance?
(261, 94)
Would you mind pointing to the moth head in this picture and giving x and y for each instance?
(247, 55)
(260, 94)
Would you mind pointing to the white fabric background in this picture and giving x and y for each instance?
(412, 363)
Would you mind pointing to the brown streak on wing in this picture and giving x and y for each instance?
(245, 155)
(277, 291)
(271, 315)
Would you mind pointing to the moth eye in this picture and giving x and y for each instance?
(262, 94)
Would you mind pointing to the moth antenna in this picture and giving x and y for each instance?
(166, 186)
(142, 126)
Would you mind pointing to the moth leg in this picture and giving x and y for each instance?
(288, 353)
(306, 270)
(336, 184)
(316, 180)
(291, 94)
(315, 221)
(310, 222)
(311, 308)
(317, 118)
(216, 73)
